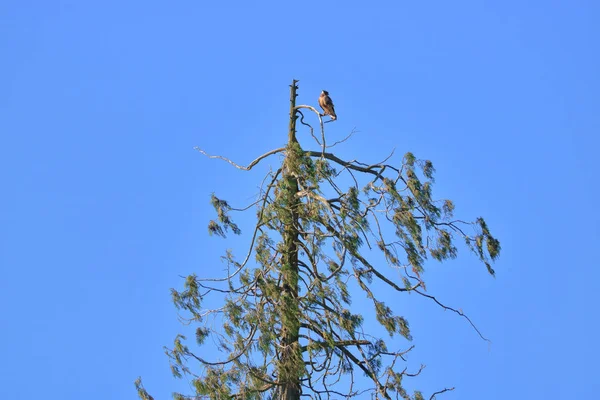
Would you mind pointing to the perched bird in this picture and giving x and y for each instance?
(327, 105)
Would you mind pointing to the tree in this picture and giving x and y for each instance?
(286, 326)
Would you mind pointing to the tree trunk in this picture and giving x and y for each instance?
(291, 366)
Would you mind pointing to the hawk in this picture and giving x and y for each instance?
(327, 105)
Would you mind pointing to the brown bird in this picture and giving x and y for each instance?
(327, 105)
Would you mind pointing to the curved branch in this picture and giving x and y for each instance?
(323, 145)
(249, 167)
(262, 211)
(248, 341)
(312, 131)
(344, 139)
(454, 310)
(440, 392)
(369, 169)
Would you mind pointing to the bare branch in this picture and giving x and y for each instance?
(312, 131)
(323, 144)
(440, 392)
(344, 139)
(454, 310)
(249, 167)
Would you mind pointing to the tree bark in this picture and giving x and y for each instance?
(291, 363)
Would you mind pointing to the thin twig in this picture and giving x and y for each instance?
(454, 310)
(343, 140)
(440, 392)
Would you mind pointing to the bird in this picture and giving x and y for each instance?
(327, 105)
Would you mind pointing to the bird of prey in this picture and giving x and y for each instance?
(327, 105)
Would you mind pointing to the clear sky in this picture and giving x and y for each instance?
(105, 203)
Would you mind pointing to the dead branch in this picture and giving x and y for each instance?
(312, 131)
(344, 139)
(323, 145)
(440, 392)
(454, 310)
(249, 167)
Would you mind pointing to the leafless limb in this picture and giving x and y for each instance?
(323, 144)
(454, 310)
(249, 167)
(344, 139)
(440, 392)
(312, 131)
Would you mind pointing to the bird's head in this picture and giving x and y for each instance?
(325, 92)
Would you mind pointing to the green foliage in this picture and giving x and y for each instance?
(287, 318)
(224, 222)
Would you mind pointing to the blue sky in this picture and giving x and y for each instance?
(105, 202)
